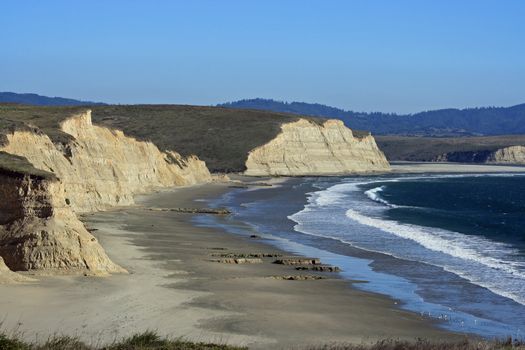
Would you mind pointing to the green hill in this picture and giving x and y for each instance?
(443, 122)
(38, 100)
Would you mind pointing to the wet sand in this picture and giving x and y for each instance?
(176, 288)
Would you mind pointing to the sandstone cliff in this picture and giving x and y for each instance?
(508, 155)
(505, 155)
(55, 163)
(477, 149)
(98, 168)
(307, 148)
(9, 277)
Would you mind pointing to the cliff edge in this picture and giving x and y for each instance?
(502, 149)
(505, 155)
(58, 162)
(96, 169)
(308, 148)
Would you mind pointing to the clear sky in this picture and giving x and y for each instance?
(369, 55)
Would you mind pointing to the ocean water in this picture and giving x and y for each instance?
(450, 247)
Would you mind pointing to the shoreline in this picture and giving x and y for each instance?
(347, 305)
(174, 288)
(405, 167)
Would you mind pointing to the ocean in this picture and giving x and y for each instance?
(450, 247)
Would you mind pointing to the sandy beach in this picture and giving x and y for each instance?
(426, 167)
(175, 288)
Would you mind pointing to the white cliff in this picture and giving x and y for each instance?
(508, 155)
(308, 148)
(505, 155)
(39, 229)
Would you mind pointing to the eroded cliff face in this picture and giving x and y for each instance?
(9, 277)
(98, 169)
(40, 231)
(506, 155)
(103, 167)
(307, 148)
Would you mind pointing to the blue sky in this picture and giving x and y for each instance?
(370, 55)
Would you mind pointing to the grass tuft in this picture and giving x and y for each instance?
(7, 343)
(150, 340)
(62, 343)
(146, 340)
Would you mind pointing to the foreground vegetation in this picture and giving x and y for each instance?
(152, 341)
(143, 341)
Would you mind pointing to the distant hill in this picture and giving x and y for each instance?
(431, 149)
(38, 100)
(439, 123)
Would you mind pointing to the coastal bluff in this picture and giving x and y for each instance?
(504, 155)
(57, 163)
(95, 169)
(501, 149)
(307, 148)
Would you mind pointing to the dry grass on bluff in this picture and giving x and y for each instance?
(151, 341)
(220, 136)
(424, 149)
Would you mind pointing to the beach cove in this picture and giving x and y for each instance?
(175, 288)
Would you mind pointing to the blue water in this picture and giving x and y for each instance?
(450, 247)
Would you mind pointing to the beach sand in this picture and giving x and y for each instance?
(175, 288)
(422, 167)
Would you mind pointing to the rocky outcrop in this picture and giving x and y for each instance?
(463, 157)
(505, 155)
(40, 232)
(215, 211)
(238, 261)
(306, 147)
(298, 260)
(508, 155)
(99, 168)
(102, 167)
(299, 277)
(9, 277)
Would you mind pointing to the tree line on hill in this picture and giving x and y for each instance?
(438, 123)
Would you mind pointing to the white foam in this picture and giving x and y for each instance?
(471, 248)
(484, 262)
(374, 195)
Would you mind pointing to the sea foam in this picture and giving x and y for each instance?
(481, 261)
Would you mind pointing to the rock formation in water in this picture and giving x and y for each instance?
(97, 169)
(305, 147)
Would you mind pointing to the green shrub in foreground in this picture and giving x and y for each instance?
(152, 341)
(141, 341)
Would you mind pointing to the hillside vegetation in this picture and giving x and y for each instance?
(429, 148)
(443, 122)
(221, 137)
